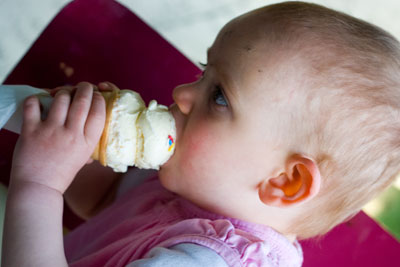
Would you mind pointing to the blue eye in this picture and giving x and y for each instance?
(218, 97)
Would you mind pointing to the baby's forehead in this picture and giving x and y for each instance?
(253, 60)
(287, 61)
(245, 30)
(254, 32)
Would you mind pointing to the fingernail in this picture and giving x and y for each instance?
(62, 91)
(30, 100)
(103, 84)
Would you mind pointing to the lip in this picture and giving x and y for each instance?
(178, 120)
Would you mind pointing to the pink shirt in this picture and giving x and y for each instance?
(149, 216)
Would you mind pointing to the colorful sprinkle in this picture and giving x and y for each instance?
(171, 143)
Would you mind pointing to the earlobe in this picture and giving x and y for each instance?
(298, 183)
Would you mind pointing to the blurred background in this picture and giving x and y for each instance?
(191, 26)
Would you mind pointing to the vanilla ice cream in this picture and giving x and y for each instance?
(157, 133)
(138, 136)
(122, 135)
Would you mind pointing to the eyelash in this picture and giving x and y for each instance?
(218, 91)
(203, 67)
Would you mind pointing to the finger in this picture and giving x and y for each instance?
(96, 118)
(107, 86)
(70, 88)
(80, 106)
(31, 114)
(54, 91)
(59, 108)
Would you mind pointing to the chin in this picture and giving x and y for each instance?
(166, 178)
(168, 173)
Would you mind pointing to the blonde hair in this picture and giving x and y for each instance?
(348, 113)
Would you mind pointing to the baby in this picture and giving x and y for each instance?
(291, 129)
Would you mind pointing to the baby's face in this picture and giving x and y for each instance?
(224, 147)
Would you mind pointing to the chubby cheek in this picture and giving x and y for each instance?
(193, 158)
(198, 152)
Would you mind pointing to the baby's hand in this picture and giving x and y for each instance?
(52, 151)
(103, 86)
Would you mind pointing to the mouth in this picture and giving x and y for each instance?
(174, 110)
(178, 120)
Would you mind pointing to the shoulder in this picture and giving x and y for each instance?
(184, 254)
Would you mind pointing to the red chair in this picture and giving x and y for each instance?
(99, 40)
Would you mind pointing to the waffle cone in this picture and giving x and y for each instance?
(100, 151)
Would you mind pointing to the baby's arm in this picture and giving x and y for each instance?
(95, 186)
(46, 159)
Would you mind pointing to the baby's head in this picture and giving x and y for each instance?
(294, 123)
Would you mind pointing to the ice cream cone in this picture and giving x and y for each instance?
(100, 151)
(134, 135)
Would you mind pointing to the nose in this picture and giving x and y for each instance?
(184, 96)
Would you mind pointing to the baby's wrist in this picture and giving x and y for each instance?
(25, 199)
(32, 188)
(52, 179)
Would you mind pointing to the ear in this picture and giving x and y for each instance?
(298, 183)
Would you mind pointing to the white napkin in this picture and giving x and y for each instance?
(11, 99)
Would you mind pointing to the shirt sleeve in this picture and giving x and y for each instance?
(181, 255)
